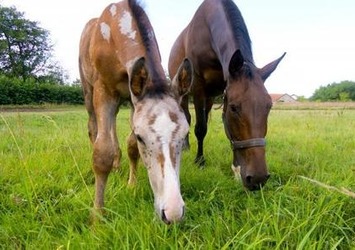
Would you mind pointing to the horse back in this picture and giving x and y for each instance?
(199, 43)
(85, 68)
(109, 46)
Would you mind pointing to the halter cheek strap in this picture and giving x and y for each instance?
(244, 144)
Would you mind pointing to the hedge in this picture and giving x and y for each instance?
(16, 92)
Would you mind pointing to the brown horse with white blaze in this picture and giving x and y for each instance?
(119, 60)
(218, 44)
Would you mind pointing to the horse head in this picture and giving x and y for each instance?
(160, 126)
(246, 108)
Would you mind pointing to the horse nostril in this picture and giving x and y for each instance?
(252, 183)
(167, 221)
(163, 217)
(257, 182)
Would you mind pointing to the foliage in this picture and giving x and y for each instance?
(26, 49)
(343, 91)
(302, 99)
(46, 188)
(14, 91)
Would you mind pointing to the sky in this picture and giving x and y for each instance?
(318, 35)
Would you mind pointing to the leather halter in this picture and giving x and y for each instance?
(244, 144)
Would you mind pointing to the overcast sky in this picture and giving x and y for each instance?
(318, 35)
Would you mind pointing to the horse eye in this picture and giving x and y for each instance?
(236, 108)
(139, 139)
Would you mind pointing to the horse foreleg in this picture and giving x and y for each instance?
(105, 148)
(185, 107)
(200, 130)
(133, 155)
(102, 165)
(116, 146)
(202, 109)
(88, 97)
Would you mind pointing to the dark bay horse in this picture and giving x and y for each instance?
(218, 44)
(119, 59)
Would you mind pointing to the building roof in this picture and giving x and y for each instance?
(281, 97)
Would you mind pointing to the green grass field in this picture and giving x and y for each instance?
(46, 187)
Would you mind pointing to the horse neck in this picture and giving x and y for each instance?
(226, 41)
(148, 40)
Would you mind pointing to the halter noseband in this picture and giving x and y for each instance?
(250, 143)
(244, 144)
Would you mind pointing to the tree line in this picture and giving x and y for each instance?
(14, 91)
(28, 72)
(343, 91)
(26, 50)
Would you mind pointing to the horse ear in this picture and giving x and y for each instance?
(182, 81)
(266, 71)
(236, 62)
(138, 79)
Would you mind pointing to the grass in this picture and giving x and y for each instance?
(46, 188)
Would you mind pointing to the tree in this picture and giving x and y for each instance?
(343, 91)
(25, 48)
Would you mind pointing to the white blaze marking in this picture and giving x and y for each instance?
(105, 31)
(126, 25)
(113, 10)
(164, 126)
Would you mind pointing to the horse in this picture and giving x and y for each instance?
(119, 60)
(217, 43)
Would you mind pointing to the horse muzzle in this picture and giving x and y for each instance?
(171, 208)
(255, 182)
(167, 217)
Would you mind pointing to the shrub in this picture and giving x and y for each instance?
(14, 91)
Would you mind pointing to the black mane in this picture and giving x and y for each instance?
(240, 31)
(153, 57)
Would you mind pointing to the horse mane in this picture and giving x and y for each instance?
(153, 57)
(240, 31)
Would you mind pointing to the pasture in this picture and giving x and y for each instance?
(46, 187)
